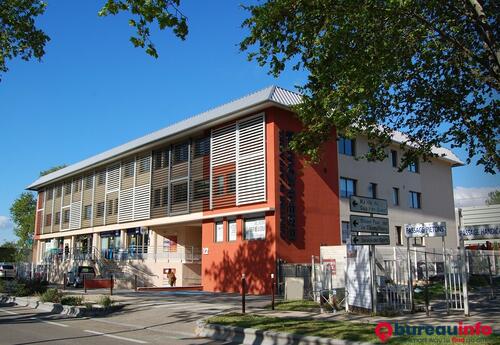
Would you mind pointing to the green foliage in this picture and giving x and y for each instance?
(429, 69)
(493, 198)
(51, 295)
(23, 287)
(22, 213)
(72, 300)
(20, 36)
(105, 301)
(8, 252)
(51, 170)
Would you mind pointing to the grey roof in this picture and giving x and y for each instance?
(271, 94)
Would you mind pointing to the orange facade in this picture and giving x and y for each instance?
(316, 218)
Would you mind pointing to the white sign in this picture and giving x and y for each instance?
(369, 224)
(255, 229)
(205, 251)
(480, 232)
(219, 232)
(367, 205)
(372, 239)
(358, 277)
(232, 231)
(436, 229)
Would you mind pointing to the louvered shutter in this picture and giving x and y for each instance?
(112, 178)
(75, 215)
(126, 205)
(142, 195)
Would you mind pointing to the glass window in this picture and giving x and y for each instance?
(87, 212)
(219, 232)
(201, 189)
(202, 147)
(164, 196)
(128, 169)
(57, 219)
(418, 241)
(50, 194)
(345, 232)
(180, 153)
(399, 236)
(66, 216)
(219, 190)
(414, 200)
(395, 196)
(394, 158)
(157, 198)
(346, 146)
(255, 228)
(373, 190)
(179, 192)
(232, 230)
(347, 187)
(48, 219)
(89, 182)
(101, 178)
(67, 188)
(58, 191)
(144, 164)
(76, 185)
(413, 167)
(231, 183)
(99, 209)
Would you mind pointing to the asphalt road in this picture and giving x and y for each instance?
(149, 320)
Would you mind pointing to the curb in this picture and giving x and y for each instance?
(250, 336)
(53, 308)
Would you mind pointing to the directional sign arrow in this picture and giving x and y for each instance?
(369, 224)
(373, 240)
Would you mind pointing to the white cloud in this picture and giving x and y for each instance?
(465, 197)
(5, 223)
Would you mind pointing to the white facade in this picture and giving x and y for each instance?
(431, 184)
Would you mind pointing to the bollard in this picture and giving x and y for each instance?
(273, 284)
(243, 288)
(135, 282)
(111, 285)
(64, 281)
(84, 285)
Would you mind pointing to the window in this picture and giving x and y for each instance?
(128, 169)
(116, 206)
(219, 232)
(180, 153)
(201, 189)
(87, 212)
(413, 167)
(345, 232)
(57, 218)
(112, 207)
(255, 228)
(89, 182)
(219, 189)
(395, 196)
(202, 147)
(347, 187)
(144, 163)
(76, 185)
(48, 219)
(394, 158)
(99, 209)
(157, 164)
(164, 196)
(418, 241)
(373, 190)
(399, 236)
(346, 146)
(101, 178)
(179, 192)
(58, 191)
(231, 183)
(67, 188)
(157, 198)
(231, 230)
(414, 200)
(66, 216)
(50, 194)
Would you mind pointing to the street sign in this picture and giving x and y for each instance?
(480, 232)
(367, 205)
(369, 224)
(372, 240)
(436, 229)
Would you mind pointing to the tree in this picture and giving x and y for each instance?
(493, 198)
(19, 35)
(51, 170)
(430, 69)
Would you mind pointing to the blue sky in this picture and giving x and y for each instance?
(93, 90)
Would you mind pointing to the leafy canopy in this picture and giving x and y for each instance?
(430, 69)
(19, 35)
(493, 198)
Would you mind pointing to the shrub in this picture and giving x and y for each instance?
(51, 295)
(72, 300)
(105, 301)
(88, 305)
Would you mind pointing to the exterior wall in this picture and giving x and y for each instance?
(434, 182)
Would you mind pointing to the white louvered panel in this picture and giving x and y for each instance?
(126, 205)
(75, 215)
(223, 145)
(113, 178)
(251, 163)
(142, 197)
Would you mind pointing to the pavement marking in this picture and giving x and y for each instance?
(9, 312)
(49, 322)
(148, 328)
(116, 337)
(167, 305)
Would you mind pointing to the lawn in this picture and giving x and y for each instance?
(334, 329)
(299, 305)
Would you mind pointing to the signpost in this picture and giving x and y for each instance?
(373, 225)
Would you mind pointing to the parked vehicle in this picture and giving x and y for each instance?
(78, 274)
(7, 271)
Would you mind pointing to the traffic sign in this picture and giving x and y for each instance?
(367, 205)
(371, 239)
(436, 229)
(369, 224)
